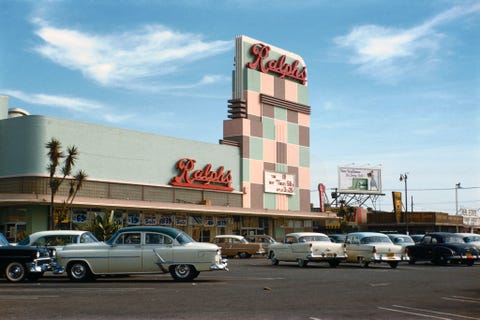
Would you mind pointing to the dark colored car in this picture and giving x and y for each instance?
(20, 263)
(442, 248)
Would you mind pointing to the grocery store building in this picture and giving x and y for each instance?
(255, 181)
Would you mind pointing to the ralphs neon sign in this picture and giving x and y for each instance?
(279, 66)
(205, 178)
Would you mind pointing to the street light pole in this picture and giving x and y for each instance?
(457, 186)
(403, 177)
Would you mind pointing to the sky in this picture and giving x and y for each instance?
(392, 84)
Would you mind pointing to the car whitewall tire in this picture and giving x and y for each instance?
(15, 272)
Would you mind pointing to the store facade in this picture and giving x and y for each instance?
(255, 181)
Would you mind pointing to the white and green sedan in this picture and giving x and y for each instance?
(142, 250)
(305, 247)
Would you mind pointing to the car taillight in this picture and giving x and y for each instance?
(406, 251)
(374, 250)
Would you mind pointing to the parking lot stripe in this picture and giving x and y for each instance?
(436, 312)
(414, 313)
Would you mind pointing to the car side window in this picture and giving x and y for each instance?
(291, 240)
(157, 238)
(129, 238)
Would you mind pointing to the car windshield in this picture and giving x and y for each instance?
(183, 238)
(400, 239)
(25, 241)
(3, 240)
(314, 238)
(375, 239)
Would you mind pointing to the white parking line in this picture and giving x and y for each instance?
(462, 299)
(413, 313)
(428, 313)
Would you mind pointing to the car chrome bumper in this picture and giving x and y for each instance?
(39, 265)
(326, 257)
(385, 258)
(222, 265)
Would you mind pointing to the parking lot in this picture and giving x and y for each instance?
(254, 289)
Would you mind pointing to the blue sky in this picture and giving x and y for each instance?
(394, 84)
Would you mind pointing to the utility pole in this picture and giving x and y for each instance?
(404, 177)
(457, 186)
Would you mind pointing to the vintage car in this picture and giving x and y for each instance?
(373, 247)
(142, 250)
(442, 248)
(305, 247)
(57, 238)
(471, 238)
(265, 240)
(20, 263)
(235, 245)
(403, 240)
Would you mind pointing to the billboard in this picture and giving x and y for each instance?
(359, 180)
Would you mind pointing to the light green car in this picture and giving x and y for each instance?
(142, 250)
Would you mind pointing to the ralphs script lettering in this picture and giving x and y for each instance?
(204, 179)
(285, 70)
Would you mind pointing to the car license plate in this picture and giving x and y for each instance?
(390, 255)
(469, 256)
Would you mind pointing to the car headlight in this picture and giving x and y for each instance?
(37, 254)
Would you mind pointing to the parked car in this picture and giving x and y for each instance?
(58, 238)
(142, 250)
(443, 247)
(373, 247)
(471, 238)
(234, 245)
(20, 263)
(305, 247)
(338, 238)
(265, 240)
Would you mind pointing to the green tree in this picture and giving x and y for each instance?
(55, 155)
(103, 226)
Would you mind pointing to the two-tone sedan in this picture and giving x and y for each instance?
(142, 250)
(20, 263)
(305, 247)
(373, 247)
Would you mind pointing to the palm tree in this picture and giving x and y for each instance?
(55, 154)
(103, 227)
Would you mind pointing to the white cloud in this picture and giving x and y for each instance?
(121, 59)
(64, 102)
(385, 52)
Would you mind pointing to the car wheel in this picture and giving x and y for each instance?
(183, 272)
(79, 271)
(393, 264)
(244, 255)
(15, 272)
(302, 263)
(273, 259)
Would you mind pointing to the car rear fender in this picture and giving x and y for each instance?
(444, 251)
